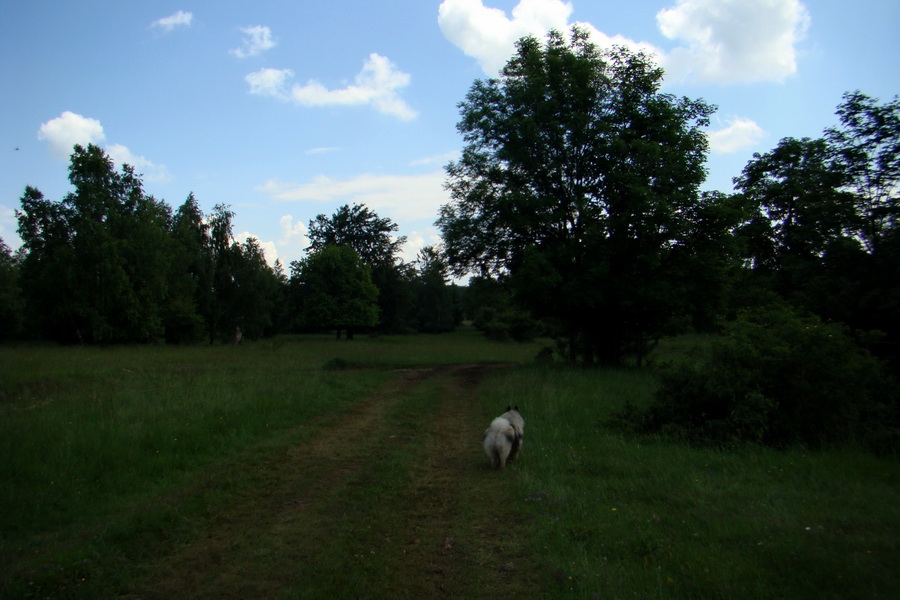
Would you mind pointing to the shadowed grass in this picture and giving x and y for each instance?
(92, 438)
(114, 461)
(613, 516)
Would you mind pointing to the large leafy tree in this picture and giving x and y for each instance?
(435, 302)
(371, 236)
(798, 193)
(374, 239)
(97, 261)
(333, 289)
(577, 177)
(825, 228)
(47, 270)
(190, 279)
(866, 148)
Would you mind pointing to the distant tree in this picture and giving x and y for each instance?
(489, 304)
(258, 289)
(12, 307)
(577, 177)
(396, 283)
(96, 262)
(375, 241)
(359, 228)
(223, 313)
(705, 260)
(47, 271)
(333, 289)
(799, 193)
(190, 279)
(824, 233)
(866, 149)
(436, 310)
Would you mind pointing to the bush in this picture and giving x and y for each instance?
(779, 378)
(505, 324)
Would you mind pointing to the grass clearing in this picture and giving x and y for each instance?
(307, 468)
(615, 516)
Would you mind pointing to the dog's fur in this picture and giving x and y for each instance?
(503, 439)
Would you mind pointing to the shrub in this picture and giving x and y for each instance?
(776, 377)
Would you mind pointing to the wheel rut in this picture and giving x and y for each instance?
(392, 499)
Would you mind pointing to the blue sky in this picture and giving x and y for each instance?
(286, 110)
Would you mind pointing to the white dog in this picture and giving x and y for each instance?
(503, 439)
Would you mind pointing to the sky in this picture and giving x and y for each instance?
(288, 110)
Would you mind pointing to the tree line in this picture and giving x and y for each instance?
(579, 176)
(577, 202)
(109, 263)
(577, 207)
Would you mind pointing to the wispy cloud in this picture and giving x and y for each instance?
(440, 159)
(717, 41)
(322, 150)
(257, 39)
(412, 201)
(376, 85)
(178, 19)
(151, 171)
(739, 134)
(409, 197)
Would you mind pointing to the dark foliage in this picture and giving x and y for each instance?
(110, 264)
(779, 378)
(578, 184)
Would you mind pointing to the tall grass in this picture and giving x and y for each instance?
(91, 438)
(105, 451)
(615, 516)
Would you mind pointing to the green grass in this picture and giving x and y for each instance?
(92, 438)
(614, 516)
(112, 458)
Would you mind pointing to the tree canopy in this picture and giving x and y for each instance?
(335, 290)
(578, 176)
(359, 228)
(109, 263)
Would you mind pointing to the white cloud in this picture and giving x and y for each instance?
(294, 238)
(739, 134)
(268, 248)
(376, 85)
(257, 39)
(720, 41)
(152, 172)
(403, 197)
(178, 19)
(417, 240)
(489, 36)
(68, 129)
(269, 82)
(731, 41)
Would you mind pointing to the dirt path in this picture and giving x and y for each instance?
(393, 500)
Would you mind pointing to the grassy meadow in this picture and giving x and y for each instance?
(115, 460)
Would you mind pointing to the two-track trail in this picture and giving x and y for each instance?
(393, 499)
